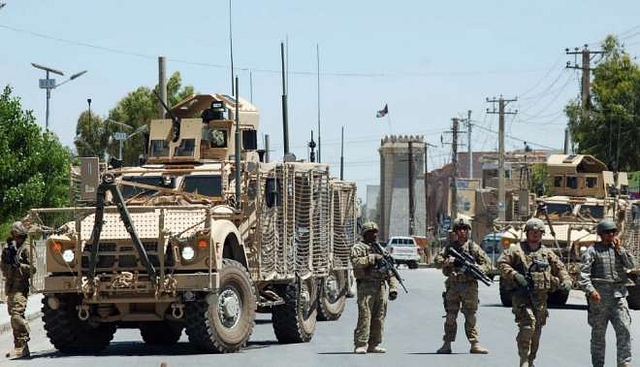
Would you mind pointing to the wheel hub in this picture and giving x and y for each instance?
(331, 287)
(229, 307)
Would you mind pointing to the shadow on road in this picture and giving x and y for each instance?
(564, 307)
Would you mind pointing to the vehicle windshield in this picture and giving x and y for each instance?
(490, 245)
(559, 208)
(204, 185)
(130, 191)
(592, 211)
(402, 242)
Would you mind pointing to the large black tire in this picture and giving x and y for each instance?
(412, 264)
(634, 296)
(333, 296)
(505, 295)
(68, 333)
(295, 321)
(558, 298)
(163, 333)
(222, 322)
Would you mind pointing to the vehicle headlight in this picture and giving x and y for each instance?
(188, 253)
(68, 255)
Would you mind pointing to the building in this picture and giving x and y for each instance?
(401, 177)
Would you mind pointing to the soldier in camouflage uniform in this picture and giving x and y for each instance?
(461, 289)
(603, 278)
(531, 271)
(17, 270)
(372, 292)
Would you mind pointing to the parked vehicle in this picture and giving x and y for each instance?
(492, 244)
(404, 250)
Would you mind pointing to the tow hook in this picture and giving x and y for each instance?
(83, 312)
(177, 310)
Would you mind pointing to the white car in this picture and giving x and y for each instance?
(404, 250)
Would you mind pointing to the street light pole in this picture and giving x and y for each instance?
(50, 84)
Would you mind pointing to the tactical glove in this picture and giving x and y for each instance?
(521, 279)
(393, 295)
(565, 286)
(374, 258)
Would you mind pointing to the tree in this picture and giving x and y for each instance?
(94, 135)
(34, 166)
(611, 129)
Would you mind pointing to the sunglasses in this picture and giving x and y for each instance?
(613, 231)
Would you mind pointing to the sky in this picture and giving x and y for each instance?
(429, 61)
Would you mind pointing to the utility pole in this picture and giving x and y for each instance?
(470, 153)
(426, 186)
(454, 170)
(586, 82)
(412, 208)
(502, 103)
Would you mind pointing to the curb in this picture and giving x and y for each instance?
(30, 317)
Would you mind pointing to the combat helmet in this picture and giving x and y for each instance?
(606, 225)
(368, 226)
(534, 224)
(461, 222)
(18, 229)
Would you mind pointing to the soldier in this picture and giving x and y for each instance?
(531, 271)
(372, 292)
(17, 270)
(461, 289)
(603, 278)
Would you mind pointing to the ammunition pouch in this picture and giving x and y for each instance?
(541, 280)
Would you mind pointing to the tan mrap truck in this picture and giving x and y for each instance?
(582, 194)
(196, 240)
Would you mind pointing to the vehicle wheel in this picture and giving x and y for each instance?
(413, 264)
(295, 321)
(164, 333)
(333, 296)
(505, 295)
(634, 297)
(558, 298)
(68, 333)
(222, 322)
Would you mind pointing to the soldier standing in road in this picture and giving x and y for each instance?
(17, 270)
(372, 293)
(461, 289)
(603, 278)
(531, 271)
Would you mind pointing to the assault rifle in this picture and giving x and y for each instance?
(469, 266)
(387, 264)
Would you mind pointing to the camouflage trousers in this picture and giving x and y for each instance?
(16, 306)
(461, 297)
(529, 324)
(616, 311)
(372, 309)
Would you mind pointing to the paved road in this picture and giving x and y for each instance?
(413, 333)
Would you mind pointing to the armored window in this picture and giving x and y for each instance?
(592, 211)
(204, 185)
(130, 191)
(572, 182)
(186, 148)
(557, 181)
(217, 138)
(591, 182)
(159, 148)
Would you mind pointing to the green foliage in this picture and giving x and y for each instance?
(611, 128)
(94, 136)
(34, 166)
(540, 180)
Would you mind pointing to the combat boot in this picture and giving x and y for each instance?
(376, 349)
(360, 350)
(20, 350)
(524, 362)
(445, 348)
(476, 348)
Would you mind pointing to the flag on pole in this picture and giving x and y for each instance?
(383, 112)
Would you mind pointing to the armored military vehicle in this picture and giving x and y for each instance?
(582, 194)
(196, 239)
